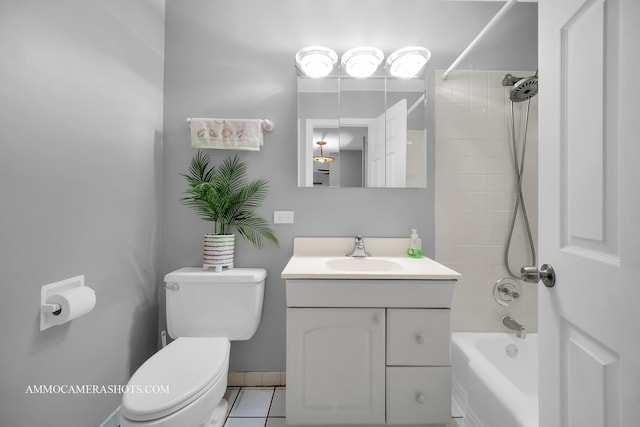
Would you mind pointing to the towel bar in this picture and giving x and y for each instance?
(267, 125)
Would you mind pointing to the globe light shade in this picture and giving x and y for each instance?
(316, 61)
(408, 62)
(362, 61)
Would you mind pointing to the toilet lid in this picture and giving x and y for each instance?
(186, 369)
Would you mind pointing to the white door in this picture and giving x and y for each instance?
(375, 153)
(335, 366)
(589, 121)
(396, 145)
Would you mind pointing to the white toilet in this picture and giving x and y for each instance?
(204, 311)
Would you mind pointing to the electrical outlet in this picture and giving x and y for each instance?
(283, 217)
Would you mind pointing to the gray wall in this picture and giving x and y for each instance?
(80, 157)
(235, 59)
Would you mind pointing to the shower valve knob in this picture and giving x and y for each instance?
(546, 274)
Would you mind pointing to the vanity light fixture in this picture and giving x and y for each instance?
(362, 61)
(322, 158)
(408, 62)
(316, 61)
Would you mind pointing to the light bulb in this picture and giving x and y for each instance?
(408, 62)
(362, 61)
(316, 61)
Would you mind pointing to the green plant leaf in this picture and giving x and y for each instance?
(227, 198)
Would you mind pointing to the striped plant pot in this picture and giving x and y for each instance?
(218, 251)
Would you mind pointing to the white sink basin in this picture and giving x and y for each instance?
(320, 275)
(363, 264)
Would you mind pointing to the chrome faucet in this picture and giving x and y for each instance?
(519, 329)
(358, 248)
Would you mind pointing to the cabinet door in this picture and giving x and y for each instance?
(335, 366)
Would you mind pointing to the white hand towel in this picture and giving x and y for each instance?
(227, 134)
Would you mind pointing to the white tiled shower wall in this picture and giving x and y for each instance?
(474, 195)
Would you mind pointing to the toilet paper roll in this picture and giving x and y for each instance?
(73, 303)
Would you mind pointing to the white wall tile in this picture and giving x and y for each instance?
(497, 96)
(444, 92)
(479, 87)
(475, 193)
(462, 94)
(479, 219)
(480, 112)
(472, 183)
(499, 182)
(480, 202)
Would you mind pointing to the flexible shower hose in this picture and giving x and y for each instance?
(518, 166)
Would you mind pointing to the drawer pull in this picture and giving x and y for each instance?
(419, 339)
(420, 398)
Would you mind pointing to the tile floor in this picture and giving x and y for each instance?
(255, 407)
(264, 407)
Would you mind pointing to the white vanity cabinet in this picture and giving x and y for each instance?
(368, 339)
(353, 365)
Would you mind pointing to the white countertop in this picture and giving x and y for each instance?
(324, 258)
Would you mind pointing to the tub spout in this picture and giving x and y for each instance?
(519, 329)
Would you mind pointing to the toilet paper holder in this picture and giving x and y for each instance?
(49, 311)
(50, 308)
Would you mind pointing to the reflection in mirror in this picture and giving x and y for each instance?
(372, 132)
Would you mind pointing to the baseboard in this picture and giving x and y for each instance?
(256, 379)
(113, 420)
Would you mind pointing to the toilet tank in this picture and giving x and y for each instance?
(208, 304)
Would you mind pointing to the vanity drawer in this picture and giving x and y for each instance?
(418, 395)
(418, 337)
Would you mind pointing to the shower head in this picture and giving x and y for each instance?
(523, 87)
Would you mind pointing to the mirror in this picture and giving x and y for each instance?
(372, 132)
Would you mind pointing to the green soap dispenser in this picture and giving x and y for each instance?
(415, 247)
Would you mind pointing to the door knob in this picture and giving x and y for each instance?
(546, 274)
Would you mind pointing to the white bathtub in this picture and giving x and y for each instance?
(492, 388)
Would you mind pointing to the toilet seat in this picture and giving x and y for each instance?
(189, 366)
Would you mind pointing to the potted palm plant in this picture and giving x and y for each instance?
(225, 196)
